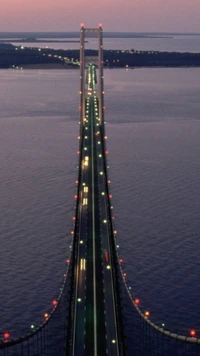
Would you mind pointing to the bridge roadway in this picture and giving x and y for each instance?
(94, 323)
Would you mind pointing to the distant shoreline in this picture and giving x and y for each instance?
(17, 57)
(28, 40)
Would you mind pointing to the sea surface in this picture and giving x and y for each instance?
(153, 127)
(158, 42)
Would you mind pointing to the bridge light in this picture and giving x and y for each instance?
(147, 313)
(105, 137)
(115, 232)
(163, 324)
(55, 302)
(124, 274)
(137, 301)
(46, 315)
(6, 336)
(32, 326)
(192, 333)
(101, 173)
(113, 341)
(79, 300)
(108, 267)
(81, 242)
(104, 221)
(76, 181)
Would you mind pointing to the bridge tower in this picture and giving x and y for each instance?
(98, 62)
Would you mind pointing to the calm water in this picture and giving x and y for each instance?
(177, 43)
(153, 128)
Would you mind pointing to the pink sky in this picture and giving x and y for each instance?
(115, 15)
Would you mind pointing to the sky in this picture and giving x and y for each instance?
(115, 15)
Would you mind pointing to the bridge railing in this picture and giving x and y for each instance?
(114, 257)
(73, 260)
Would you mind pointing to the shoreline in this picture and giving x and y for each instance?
(52, 66)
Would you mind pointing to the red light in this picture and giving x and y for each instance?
(110, 196)
(108, 181)
(76, 181)
(192, 333)
(75, 196)
(106, 152)
(55, 302)
(78, 152)
(113, 217)
(74, 218)
(105, 137)
(120, 261)
(100, 25)
(137, 301)
(115, 232)
(72, 232)
(67, 261)
(124, 274)
(6, 335)
(147, 313)
(82, 24)
(106, 256)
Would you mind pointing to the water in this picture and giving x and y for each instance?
(153, 131)
(168, 42)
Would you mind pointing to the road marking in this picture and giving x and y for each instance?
(93, 232)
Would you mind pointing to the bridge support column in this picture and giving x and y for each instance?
(82, 75)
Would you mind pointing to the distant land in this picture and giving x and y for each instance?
(26, 57)
(36, 40)
(53, 35)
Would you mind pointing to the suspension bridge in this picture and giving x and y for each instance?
(87, 318)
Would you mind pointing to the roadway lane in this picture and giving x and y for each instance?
(95, 331)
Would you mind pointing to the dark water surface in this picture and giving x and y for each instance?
(153, 129)
(168, 42)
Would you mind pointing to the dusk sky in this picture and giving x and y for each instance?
(115, 15)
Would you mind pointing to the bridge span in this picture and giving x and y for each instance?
(97, 327)
(87, 317)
